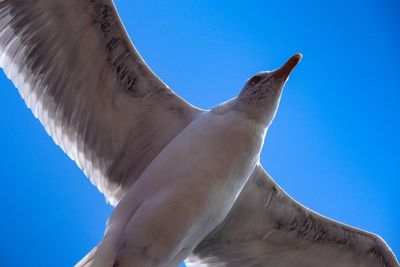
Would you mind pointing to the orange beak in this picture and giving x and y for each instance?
(284, 71)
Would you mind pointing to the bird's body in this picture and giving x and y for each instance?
(186, 183)
(192, 185)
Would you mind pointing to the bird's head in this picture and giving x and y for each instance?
(261, 94)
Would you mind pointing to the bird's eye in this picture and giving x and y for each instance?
(255, 80)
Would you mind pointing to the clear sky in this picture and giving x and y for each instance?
(334, 144)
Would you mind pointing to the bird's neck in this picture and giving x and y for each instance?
(262, 113)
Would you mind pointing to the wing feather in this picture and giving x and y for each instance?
(79, 73)
(268, 228)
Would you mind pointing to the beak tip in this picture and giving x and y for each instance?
(298, 57)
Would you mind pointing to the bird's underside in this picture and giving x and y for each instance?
(81, 76)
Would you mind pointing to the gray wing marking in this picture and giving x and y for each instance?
(268, 228)
(81, 76)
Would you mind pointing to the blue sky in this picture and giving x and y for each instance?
(334, 144)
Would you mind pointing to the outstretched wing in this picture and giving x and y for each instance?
(78, 71)
(268, 228)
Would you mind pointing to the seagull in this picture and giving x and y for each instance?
(186, 183)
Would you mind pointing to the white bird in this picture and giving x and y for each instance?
(186, 183)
